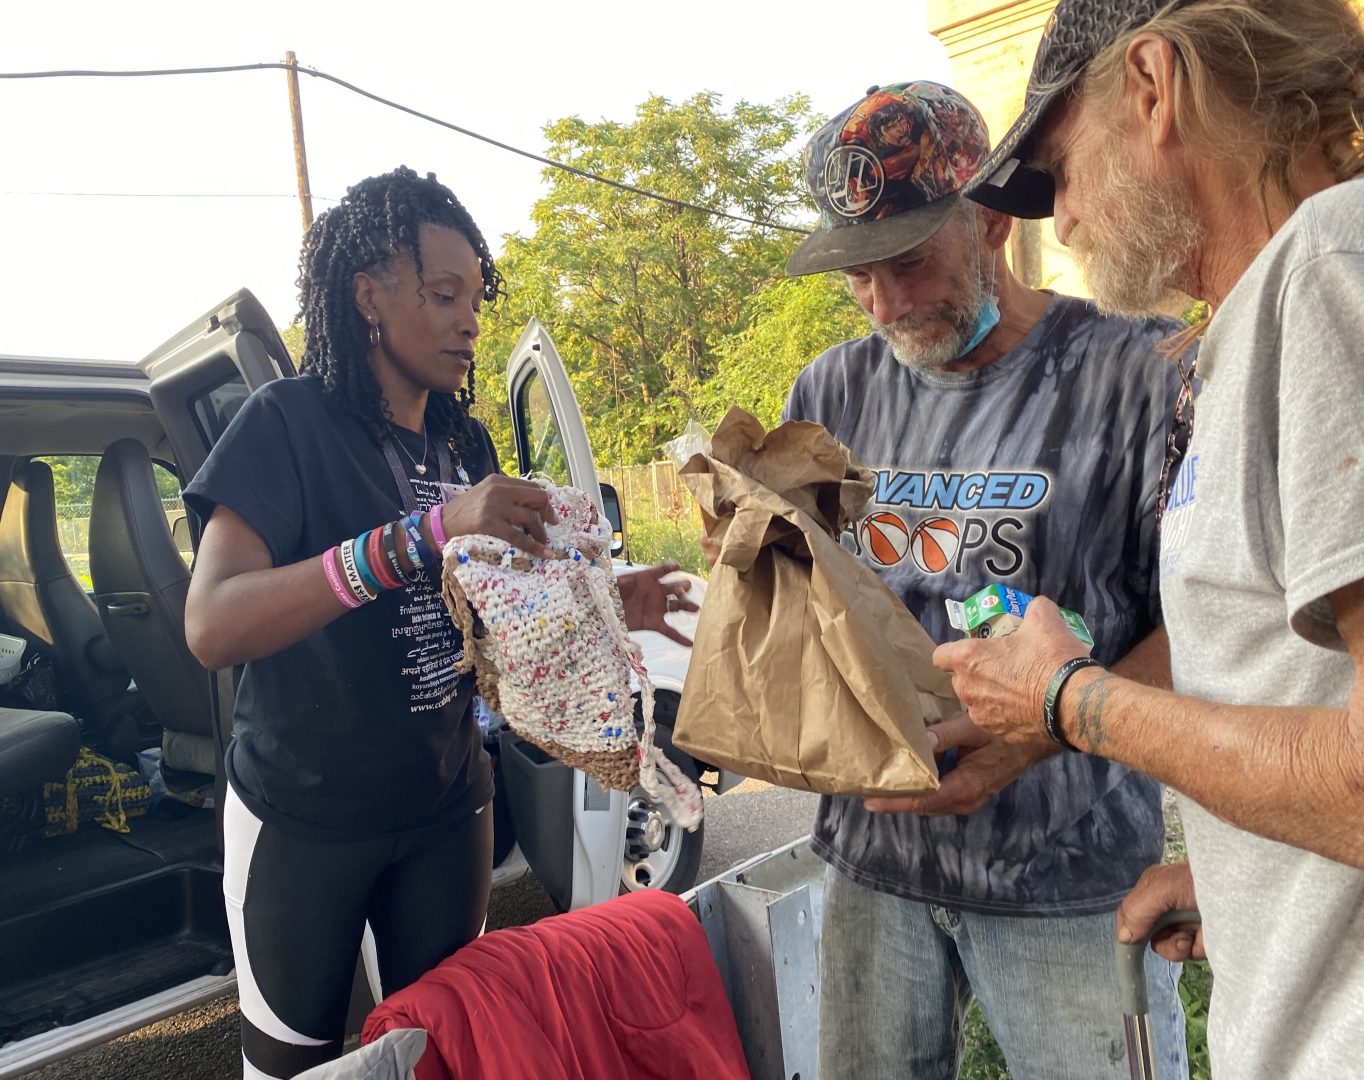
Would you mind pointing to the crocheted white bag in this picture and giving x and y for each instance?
(553, 656)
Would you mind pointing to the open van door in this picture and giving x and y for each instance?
(198, 380)
(551, 438)
(202, 376)
(578, 862)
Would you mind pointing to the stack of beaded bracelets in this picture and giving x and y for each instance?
(371, 563)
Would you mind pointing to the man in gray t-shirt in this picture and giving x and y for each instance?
(986, 410)
(1215, 149)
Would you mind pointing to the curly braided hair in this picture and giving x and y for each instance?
(376, 220)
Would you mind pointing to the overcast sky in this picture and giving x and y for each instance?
(211, 157)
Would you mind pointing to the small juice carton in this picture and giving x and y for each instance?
(997, 611)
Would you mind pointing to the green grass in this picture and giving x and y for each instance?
(983, 1059)
(656, 533)
(1195, 988)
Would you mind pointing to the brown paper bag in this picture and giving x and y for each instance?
(807, 671)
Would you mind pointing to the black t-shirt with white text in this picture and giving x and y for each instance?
(362, 727)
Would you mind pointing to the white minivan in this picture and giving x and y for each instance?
(102, 932)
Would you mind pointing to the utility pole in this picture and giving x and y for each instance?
(305, 195)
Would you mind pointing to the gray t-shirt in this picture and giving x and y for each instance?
(1265, 522)
(1040, 472)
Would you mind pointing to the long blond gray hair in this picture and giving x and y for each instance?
(1268, 81)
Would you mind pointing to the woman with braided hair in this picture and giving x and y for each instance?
(358, 784)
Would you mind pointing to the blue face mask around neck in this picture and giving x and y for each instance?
(986, 321)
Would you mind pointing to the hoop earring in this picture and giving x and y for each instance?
(375, 335)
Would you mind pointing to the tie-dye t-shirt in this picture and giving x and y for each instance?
(1039, 471)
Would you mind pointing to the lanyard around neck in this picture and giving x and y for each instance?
(405, 492)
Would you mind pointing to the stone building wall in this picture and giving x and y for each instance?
(991, 46)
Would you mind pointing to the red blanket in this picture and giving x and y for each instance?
(627, 988)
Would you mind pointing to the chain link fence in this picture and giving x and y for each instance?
(661, 518)
(73, 534)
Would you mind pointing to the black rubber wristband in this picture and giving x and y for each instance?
(1058, 681)
(387, 542)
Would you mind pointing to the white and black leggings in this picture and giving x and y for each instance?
(297, 910)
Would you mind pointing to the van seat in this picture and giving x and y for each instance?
(35, 747)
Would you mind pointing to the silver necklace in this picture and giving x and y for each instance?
(420, 466)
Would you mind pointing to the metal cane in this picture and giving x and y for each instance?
(1136, 1009)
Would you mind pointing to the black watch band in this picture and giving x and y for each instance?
(1050, 720)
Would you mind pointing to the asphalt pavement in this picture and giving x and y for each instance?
(202, 1044)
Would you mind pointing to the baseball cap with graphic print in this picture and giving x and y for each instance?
(886, 174)
(1078, 31)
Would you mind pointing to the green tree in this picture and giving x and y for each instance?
(73, 479)
(167, 484)
(788, 325)
(293, 338)
(501, 327)
(638, 293)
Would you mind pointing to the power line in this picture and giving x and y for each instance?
(161, 195)
(327, 77)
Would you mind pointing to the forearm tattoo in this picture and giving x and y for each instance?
(1091, 700)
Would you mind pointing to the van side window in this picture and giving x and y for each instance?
(73, 482)
(214, 408)
(540, 429)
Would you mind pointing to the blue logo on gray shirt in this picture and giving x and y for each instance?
(965, 491)
(937, 542)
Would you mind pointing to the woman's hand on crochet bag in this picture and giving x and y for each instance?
(647, 599)
(513, 510)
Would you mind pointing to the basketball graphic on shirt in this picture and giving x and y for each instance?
(933, 544)
(885, 537)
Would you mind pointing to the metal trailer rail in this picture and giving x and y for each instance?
(762, 918)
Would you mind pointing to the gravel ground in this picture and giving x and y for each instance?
(202, 1044)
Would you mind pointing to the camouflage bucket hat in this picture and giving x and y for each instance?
(886, 173)
(1079, 30)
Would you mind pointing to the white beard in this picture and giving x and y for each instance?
(929, 340)
(1139, 240)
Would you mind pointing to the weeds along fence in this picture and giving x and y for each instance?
(661, 518)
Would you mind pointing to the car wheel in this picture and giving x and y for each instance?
(659, 853)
